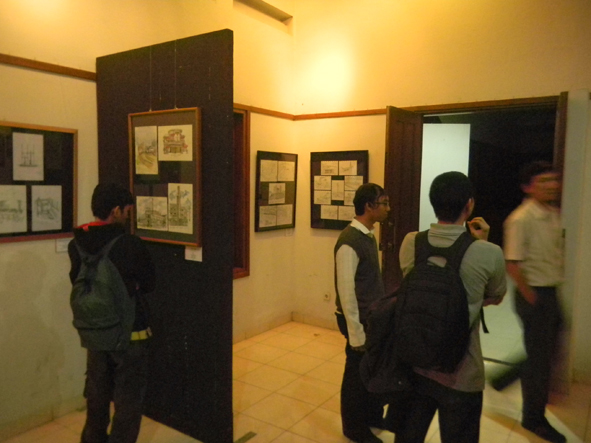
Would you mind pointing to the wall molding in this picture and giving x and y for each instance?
(35, 65)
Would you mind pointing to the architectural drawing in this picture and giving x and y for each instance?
(13, 209)
(284, 215)
(338, 190)
(322, 183)
(352, 182)
(346, 213)
(328, 212)
(175, 143)
(285, 171)
(152, 213)
(268, 171)
(267, 216)
(348, 167)
(329, 167)
(180, 207)
(146, 150)
(46, 211)
(27, 158)
(276, 193)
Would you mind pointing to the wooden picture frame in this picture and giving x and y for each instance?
(165, 174)
(276, 185)
(334, 178)
(38, 166)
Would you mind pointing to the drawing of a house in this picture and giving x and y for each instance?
(174, 142)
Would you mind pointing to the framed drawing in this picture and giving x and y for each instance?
(165, 163)
(276, 182)
(334, 178)
(37, 182)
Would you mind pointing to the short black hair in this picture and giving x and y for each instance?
(108, 196)
(367, 193)
(449, 194)
(530, 170)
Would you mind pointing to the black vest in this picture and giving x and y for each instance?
(369, 286)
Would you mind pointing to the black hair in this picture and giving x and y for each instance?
(530, 170)
(108, 196)
(367, 193)
(449, 195)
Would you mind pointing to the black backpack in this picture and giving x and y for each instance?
(432, 326)
(104, 312)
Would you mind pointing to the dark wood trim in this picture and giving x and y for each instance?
(551, 100)
(263, 111)
(560, 131)
(241, 193)
(46, 67)
(341, 114)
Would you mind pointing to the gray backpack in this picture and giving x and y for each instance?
(104, 312)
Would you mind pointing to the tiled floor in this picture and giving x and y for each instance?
(286, 390)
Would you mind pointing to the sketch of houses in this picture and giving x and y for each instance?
(174, 142)
(13, 209)
(47, 208)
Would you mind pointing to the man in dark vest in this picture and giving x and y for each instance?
(358, 282)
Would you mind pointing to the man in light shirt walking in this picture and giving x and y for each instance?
(533, 246)
(358, 282)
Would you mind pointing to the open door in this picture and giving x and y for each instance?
(404, 131)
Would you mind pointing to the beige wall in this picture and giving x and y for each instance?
(333, 56)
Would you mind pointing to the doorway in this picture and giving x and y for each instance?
(503, 137)
(500, 143)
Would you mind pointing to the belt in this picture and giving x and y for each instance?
(141, 335)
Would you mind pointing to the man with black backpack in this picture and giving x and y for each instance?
(448, 370)
(110, 273)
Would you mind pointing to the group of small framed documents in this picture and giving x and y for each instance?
(37, 182)
(275, 191)
(165, 161)
(335, 176)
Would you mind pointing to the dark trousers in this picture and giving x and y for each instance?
(121, 377)
(459, 413)
(360, 409)
(541, 325)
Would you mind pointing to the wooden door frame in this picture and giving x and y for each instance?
(407, 221)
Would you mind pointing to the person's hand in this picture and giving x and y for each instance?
(530, 296)
(492, 301)
(358, 348)
(479, 228)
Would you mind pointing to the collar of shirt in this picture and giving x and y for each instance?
(539, 210)
(358, 225)
(441, 230)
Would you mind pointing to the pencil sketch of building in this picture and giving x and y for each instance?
(174, 142)
(152, 213)
(28, 157)
(47, 208)
(180, 208)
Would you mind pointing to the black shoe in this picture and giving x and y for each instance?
(544, 430)
(367, 438)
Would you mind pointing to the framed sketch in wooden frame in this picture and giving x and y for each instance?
(37, 182)
(165, 174)
(334, 178)
(276, 184)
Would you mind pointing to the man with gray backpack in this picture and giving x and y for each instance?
(437, 314)
(110, 273)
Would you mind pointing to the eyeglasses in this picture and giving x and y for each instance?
(383, 203)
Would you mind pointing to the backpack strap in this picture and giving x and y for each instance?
(104, 251)
(453, 254)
